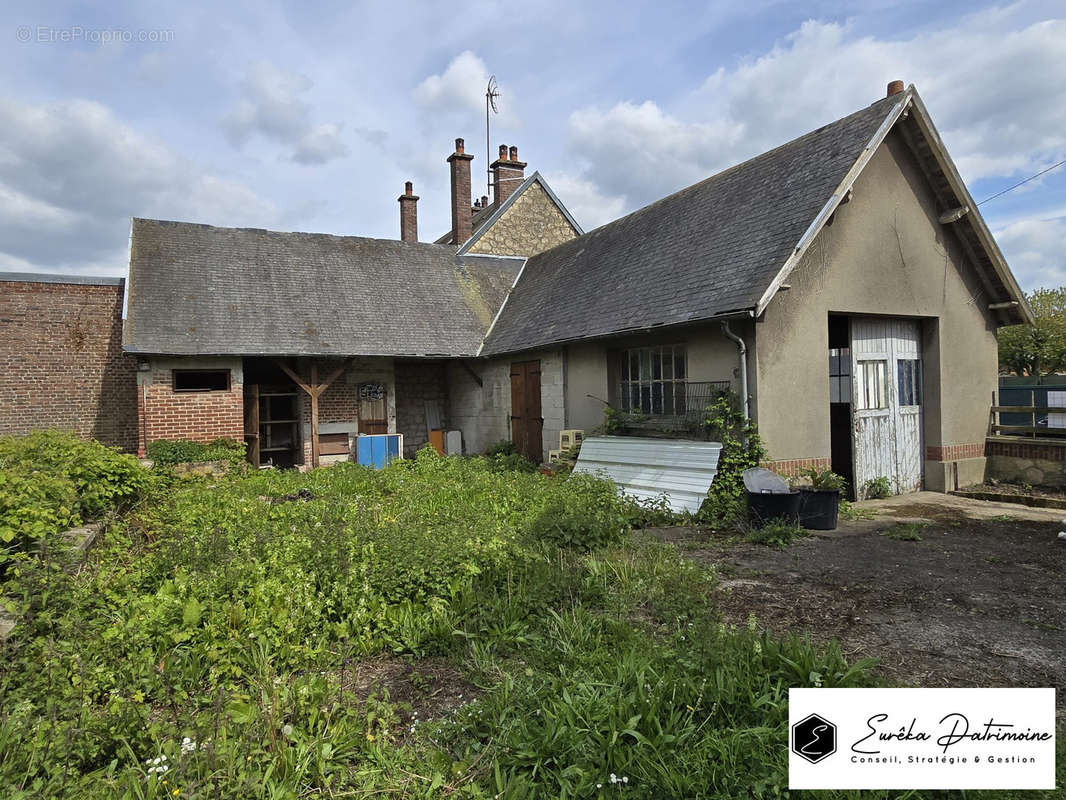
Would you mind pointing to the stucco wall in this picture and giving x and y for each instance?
(885, 254)
(711, 357)
(531, 225)
(483, 413)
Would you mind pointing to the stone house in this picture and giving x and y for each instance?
(843, 284)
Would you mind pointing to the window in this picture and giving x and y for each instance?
(653, 380)
(871, 385)
(200, 380)
(840, 375)
(909, 381)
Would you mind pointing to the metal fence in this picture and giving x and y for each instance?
(1042, 404)
(669, 405)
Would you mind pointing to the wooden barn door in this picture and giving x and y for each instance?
(886, 402)
(527, 423)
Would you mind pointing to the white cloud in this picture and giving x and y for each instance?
(72, 174)
(1034, 250)
(590, 207)
(996, 94)
(273, 107)
(460, 87)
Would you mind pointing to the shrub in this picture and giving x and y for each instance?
(777, 533)
(511, 462)
(741, 449)
(583, 512)
(504, 447)
(877, 488)
(167, 452)
(824, 480)
(52, 480)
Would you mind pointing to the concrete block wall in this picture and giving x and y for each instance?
(418, 383)
(61, 359)
(199, 416)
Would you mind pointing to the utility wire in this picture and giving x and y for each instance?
(1022, 183)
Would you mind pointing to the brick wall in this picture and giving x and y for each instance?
(792, 467)
(418, 382)
(953, 452)
(199, 416)
(61, 360)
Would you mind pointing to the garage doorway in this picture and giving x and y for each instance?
(886, 390)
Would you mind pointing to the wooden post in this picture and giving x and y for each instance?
(315, 392)
(314, 389)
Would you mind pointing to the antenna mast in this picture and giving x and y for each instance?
(491, 93)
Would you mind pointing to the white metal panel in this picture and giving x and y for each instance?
(1056, 399)
(648, 468)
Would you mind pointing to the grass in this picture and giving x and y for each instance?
(905, 531)
(226, 639)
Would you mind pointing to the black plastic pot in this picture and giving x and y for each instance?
(819, 508)
(764, 507)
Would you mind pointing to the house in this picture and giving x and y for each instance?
(844, 284)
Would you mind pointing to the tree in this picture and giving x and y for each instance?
(1040, 349)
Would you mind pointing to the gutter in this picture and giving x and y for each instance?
(742, 354)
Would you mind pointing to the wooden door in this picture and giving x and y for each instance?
(527, 424)
(251, 423)
(886, 403)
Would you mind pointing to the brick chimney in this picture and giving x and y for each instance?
(462, 224)
(894, 87)
(507, 174)
(408, 214)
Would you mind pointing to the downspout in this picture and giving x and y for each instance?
(742, 350)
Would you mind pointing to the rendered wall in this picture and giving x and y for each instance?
(711, 357)
(61, 361)
(885, 254)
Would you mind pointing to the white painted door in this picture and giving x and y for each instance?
(887, 402)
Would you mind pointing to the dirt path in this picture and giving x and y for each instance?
(979, 601)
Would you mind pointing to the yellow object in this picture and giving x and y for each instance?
(569, 438)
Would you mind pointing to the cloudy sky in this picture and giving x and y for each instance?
(310, 115)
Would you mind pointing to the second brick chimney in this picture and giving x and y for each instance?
(408, 214)
(461, 216)
(507, 174)
(895, 87)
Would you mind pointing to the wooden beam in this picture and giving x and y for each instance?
(470, 371)
(334, 375)
(293, 376)
(314, 414)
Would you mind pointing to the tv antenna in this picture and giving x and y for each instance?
(492, 91)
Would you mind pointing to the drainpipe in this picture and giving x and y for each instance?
(743, 354)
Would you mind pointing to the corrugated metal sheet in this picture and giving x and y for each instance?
(647, 468)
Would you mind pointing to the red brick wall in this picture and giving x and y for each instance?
(953, 452)
(199, 416)
(792, 468)
(1011, 446)
(61, 361)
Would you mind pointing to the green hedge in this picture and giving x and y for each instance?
(53, 480)
(183, 451)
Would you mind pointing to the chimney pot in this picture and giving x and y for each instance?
(460, 146)
(408, 188)
(894, 87)
(484, 201)
(514, 153)
(503, 152)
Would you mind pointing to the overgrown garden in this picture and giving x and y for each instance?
(215, 642)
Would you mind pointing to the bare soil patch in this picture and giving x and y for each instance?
(979, 601)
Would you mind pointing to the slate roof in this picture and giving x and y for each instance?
(203, 290)
(709, 250)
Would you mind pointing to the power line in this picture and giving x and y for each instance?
(1022, 183)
